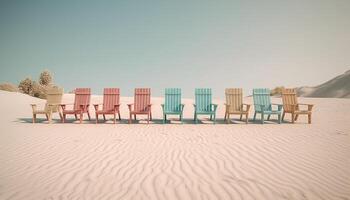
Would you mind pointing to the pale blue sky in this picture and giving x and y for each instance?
(187, 44)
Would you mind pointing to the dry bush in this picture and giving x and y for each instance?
(39, 90)
(26, 86)
(9, 87)
(277, 91)
(45, 78)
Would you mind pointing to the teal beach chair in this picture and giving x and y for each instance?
(263, 105)
(172, 104)
(203, 104)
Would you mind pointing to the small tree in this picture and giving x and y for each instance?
(39, 90)
(277, 91)
(45, 78)
(26, 86)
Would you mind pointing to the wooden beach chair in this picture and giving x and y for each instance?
(291, 105)
(142, 104)
(234, 104)
(203, 104)
(80, 106)
(53, 101)
(263, 105)
(172, 103)
(110, 106)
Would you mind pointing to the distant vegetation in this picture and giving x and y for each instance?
(277, 91)
(30, 87)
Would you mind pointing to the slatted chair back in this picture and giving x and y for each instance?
(82, 97)
(172, 100)
(203, 99)
(289, 99)
(234, 98)
(142, 99)
(111, 97)
(261, 96)
(53, 97)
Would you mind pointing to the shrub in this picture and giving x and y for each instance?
(277, 91)
(39, 90)
(26, 86)
(9, 87)
(45, 78)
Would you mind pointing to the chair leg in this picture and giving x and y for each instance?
(283, 115)
(228, 118)
(246, 118)
(130, 117)
(214, 118)
(81, 117)
(293, 118)
(254, 116)
(50, 117)
(114, 118)
(279, 118)
(262, 118)
(148, 119)
(309, 118)
(195, 118)
(296, 117)
(63, 118)
(119, 116)
(88, 113)
(96, 118)
(240, 117)
(104, 117)
(34, 118)
(225, 115)
(150, 115)
(47, 117)
(211, 117)
(76, 117)
(164, 118)
(268, 117)
(135, 117)
(181, 118)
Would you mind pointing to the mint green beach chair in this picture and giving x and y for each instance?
(172, 104)
(203, 104)
(263, 105)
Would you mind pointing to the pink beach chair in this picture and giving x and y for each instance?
(80, 106)
(142, 105)
(110, 106)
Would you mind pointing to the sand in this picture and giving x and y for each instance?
(174, 161)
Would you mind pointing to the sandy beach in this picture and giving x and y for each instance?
(174, 161)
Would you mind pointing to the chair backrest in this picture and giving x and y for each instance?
(53, 97)
(82, 97)
(142, 99)
(172, 99)
(111, 98)
(234, 98)
(261, 96)
(203, 99)
(289, 98)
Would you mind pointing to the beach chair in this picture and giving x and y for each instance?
(172, 104)
(53, 101)
(234, 104)
(203, 104)
(80, 106)
(110, 106)
(142, 104)
(263, 105)
(291, 105)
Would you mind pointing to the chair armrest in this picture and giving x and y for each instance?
(130, 106)
(215, 106)
(33, 107)
(309, 106)
(247, 107)
(96, 106)
(279, 106)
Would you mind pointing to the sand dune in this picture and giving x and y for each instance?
(205, 161)
(338, 87)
